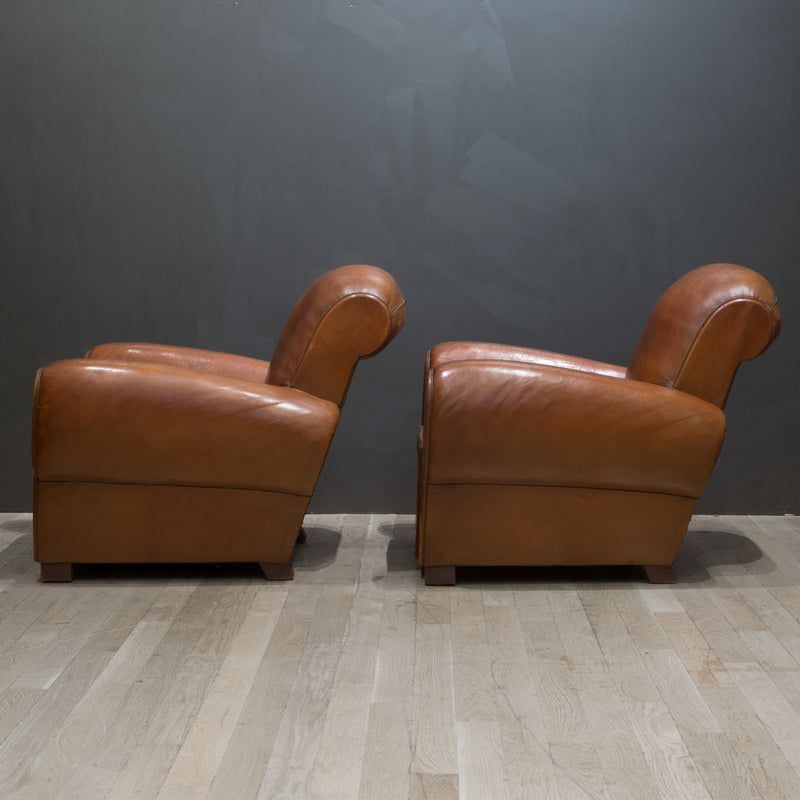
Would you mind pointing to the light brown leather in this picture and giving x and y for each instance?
(489, 417)
(89, 523)
(530, 457)
(96, 422)
(231, 366)
(703, 327)
(480, 351)
(152, 453)
(350, 315)
(551, 526)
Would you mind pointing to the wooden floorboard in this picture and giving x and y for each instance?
(357, 681)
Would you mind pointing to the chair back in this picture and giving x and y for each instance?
(347, 314)
(703, 327)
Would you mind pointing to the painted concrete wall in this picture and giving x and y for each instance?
(532, 171)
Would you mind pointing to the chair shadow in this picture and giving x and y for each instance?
(317, 552)
(400, 555)
(700, 551)
(18, 526)
(704, 549)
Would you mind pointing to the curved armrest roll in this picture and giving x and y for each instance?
(232, 366)
(347, 314)
(500, 422)
(154, 424)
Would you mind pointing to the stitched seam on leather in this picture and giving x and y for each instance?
(533, 364)
(322, 319)
(426, 454)
(177, 486)
(717, 310)
(571, 487)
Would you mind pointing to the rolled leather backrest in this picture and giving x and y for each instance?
(349, 313)
(703, 327)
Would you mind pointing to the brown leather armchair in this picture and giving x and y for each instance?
(534, 458)
(147, 453)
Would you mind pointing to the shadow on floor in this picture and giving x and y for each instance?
(316, 553)
(704, 550)
(319, 550)
(700, 551)
(18, 526)
(400, 556)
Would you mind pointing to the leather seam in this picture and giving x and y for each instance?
(392, 312)
(178, 486)
(716, 311)
(570, 487)
(427, 437)
(532, 364)
(322, 319)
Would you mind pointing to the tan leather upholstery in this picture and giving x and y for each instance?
(530, 457)
(703, 327)
(232, 366)
(336, 322)
(151, 453)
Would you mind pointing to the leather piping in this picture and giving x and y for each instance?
(564, 486)
(325, 314)
(181, 486)
(716, 311)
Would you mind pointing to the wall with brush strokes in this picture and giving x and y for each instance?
(532, 171)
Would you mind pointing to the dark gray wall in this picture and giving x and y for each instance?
(532, 172)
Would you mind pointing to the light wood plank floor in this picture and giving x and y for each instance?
(357, 681)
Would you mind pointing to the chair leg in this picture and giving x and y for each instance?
(277, 572)
(660, 573)
(440, 576)
(56, 572)
(301, 535)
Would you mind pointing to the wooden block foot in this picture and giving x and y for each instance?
(277, 572)
(660, 573)
(56, 573)
(440, 576)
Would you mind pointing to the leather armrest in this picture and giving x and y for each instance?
(114, 422)
(233, 366)
(498, 422)
(483, 351)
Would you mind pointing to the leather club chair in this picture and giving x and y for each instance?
(534, 458)
(148, 453)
